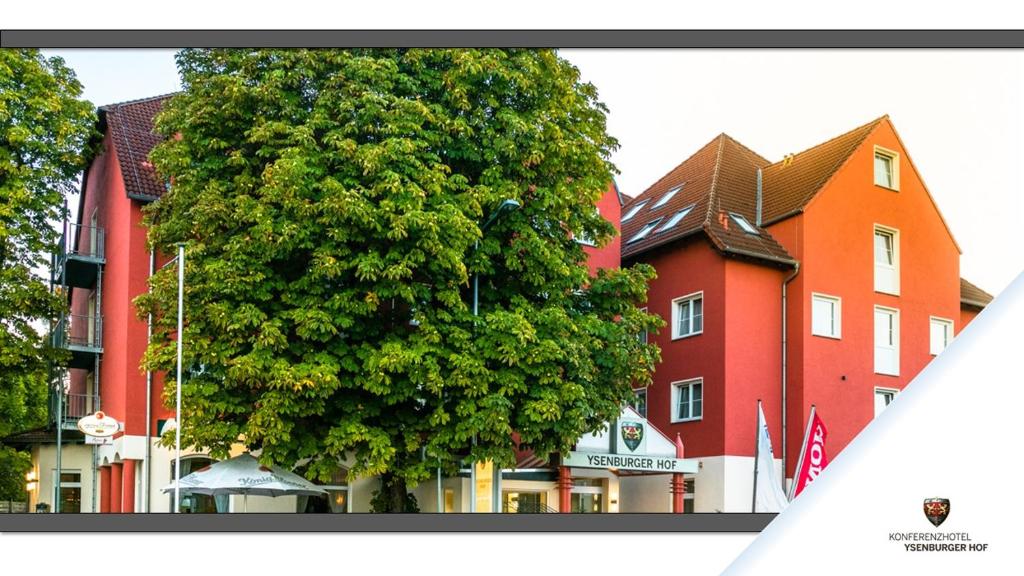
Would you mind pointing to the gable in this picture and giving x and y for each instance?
(882, 135)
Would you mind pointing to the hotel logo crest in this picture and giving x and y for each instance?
(936, 510)
(632, 434)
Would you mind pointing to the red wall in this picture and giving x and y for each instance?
(753, 354)
(608, 256)
(833, 240)
(685, 267)
(122, 381)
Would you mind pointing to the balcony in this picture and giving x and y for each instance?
(82, 335)
(74, 408)
(79, 256)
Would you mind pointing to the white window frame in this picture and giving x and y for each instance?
(645, 231)
(675, 219)
(645, 336)
(675, 315)
(894, 168)
(893, 233)
(879, 391)
(633, 211)
(677, 388)
(637, 392)
(946, 322)
(743, 223)
(586, 240)
(666, 197)
(837, 311)
(895, 313)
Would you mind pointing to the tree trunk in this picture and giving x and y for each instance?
(393, 496)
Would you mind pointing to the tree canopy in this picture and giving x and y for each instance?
(44, 134)
(332, 203)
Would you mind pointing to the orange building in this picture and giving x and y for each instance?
(829, 278)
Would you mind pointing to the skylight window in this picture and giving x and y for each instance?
(675, 218)
(666, 197)
(743, 223)
(632, 211)
(645, 231)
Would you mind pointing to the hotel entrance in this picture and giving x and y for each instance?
(515, 502)
(587, 496)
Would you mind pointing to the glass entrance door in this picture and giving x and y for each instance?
(524, 502)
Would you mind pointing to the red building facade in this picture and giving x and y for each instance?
(828, 278)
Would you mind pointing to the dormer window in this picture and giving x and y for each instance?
(645, 231)
(666, 197)
(632, 211)
(742, 223)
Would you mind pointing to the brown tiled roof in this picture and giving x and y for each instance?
(718, 180)
(792, 182)
(42, 435)
(131, 130)
(971, 295)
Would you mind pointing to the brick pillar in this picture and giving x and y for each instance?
(115, 488)
(128, 487)
(104, 489)
(564, 490)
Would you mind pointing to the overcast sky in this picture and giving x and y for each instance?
(958, 113)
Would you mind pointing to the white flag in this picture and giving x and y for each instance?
(768, 496)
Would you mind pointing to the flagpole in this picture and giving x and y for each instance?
(757, 446)
(803, 448)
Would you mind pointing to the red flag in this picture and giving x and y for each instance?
(813, 457)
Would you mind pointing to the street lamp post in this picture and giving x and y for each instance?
(507, 206)
(177, 390)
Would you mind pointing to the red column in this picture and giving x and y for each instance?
(564, 490)
(128, 484)
(115, 488)
(104, 489)
(678, 482)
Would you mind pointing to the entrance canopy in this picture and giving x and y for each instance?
(630, 443)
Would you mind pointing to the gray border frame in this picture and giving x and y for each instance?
(513, 38)
(371, 523)
(430, 522)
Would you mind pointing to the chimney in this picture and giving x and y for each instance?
(758, 198)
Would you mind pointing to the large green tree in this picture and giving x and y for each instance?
(333, 205)
(44, 132)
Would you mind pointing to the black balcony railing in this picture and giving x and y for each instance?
(79, 256)
(83, 241)
(79, 331)
(74, 408)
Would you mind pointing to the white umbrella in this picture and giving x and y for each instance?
(245, 475)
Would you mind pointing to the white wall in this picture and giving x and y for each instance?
(645, 493)
(74, 458)
(726, 483)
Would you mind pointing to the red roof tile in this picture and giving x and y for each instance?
(131, 130)
(792, 182)
(719, 180)
(971, 295)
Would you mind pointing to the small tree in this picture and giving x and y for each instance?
(333, 201)
(44, 132)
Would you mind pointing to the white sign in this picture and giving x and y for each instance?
(99, 440)
(98, 424)
(625, 462)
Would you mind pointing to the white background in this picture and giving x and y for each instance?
(623, 553)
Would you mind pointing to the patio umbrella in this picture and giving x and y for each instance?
(244, 475)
